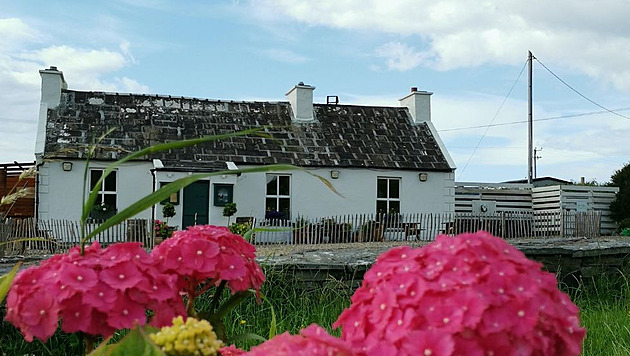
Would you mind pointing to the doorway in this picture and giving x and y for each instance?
(196, 204)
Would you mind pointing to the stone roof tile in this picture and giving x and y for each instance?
(342, 135)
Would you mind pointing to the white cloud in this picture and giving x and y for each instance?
(22, 55)
(592, 38)
(400, 56)
(285, 55)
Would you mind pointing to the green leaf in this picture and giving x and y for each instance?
(248, 235)
(248, 336)
(172, 187)
(136, 342)
(232, 303)
(6, 281)
(273, 324)
(89, 204)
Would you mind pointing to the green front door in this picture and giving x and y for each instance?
(196, 201)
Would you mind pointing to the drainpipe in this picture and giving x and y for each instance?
(152, 170)
(157, 164)
(37, 189)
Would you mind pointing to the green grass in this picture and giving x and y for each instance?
(604, 304)
(605, 313)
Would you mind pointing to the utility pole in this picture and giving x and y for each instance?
(530, 119)
(536, 157)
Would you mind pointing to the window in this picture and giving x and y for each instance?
(388, 195)
(106, 201)
(278, 196)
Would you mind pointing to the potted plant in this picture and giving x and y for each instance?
(102, 211)
(228, 210)
(275, 215)
(162, 229)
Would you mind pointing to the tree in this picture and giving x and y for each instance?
(620, 207)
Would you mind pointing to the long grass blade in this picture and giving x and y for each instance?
(6, 280)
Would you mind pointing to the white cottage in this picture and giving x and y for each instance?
(379, 158)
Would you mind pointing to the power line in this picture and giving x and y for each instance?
(492, 121)
(525, 121)
(578, 93)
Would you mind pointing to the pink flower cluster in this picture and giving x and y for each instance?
(313, 340)
(95, 293)
(473, 294)
(206, 252)
(231, 351)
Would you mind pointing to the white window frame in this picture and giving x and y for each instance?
(388, 199)
(278, 196)
(102, 192)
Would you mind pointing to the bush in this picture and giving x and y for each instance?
(620, 207)
(240, 228)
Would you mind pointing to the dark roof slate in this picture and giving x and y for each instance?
(341, 136)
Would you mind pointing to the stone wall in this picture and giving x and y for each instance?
(569, 259)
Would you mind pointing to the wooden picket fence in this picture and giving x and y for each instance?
(56, 235)
(425, 226)
(60, 235)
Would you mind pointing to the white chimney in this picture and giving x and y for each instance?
(301, 101)
(419, 105)
(52, 84)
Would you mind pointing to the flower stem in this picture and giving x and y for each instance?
(217, 295)
(89, 343)
(190, 306)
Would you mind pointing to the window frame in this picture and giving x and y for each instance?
(102, 193)
(278, 196)
(388, 199)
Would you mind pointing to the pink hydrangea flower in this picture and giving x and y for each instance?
(95, 293)
(231, 351)
(210, 254)
(472, 294)
(313, 340)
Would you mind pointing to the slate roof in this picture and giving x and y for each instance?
(342, 136)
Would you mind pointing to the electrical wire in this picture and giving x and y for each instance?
(578, 93)
(525, 121)
(492, 121)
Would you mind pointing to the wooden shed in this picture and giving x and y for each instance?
(558, 199)
(10, 182)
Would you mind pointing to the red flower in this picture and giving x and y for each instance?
(209, 254)
(473, 294)
(313, 340)
(95, 293)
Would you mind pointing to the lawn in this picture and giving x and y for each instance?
(604, 305)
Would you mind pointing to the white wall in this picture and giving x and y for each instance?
(310, 197)
(60, 192)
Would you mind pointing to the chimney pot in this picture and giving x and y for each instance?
(414, 89)
(52, 68)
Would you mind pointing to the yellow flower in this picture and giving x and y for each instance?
(243, 322)
(194, 337)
